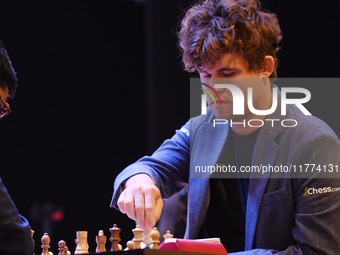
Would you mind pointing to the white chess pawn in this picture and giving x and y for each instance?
(155, 239)
(82, 245)
(67, 251)
(63, 250)
(130, 245)
(168, 235)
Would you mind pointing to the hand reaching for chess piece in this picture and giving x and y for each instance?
(141, 200)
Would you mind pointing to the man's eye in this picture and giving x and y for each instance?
(207, 76)
(228, 74)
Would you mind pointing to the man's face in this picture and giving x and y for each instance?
(232, 68)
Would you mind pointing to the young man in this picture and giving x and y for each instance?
(235, 40)
(15, 233)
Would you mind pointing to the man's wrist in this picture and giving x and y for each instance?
(138, 178)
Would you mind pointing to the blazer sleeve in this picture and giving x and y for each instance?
(15, 233)
(167, 166)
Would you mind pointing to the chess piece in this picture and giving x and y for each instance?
(115, 239)
(137, 232)
(168, 235)
(45, 244)
(101, 240)
(130, 245)
(82, 245)
(155, 239)
(67, 251)
(62, 249)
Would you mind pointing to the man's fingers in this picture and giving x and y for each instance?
(150, 197)
(120, 202)
(140, 209)
(158, 208)
(141, 200)
(129, 205)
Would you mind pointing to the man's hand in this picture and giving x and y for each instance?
(141, 200)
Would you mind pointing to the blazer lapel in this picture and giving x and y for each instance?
(265, 151)
(206, 150)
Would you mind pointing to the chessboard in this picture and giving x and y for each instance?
(141, 240)
(143, 243)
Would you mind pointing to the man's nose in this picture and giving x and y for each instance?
(215, 79)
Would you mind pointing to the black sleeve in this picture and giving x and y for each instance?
(15, 233)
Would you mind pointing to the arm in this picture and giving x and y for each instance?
(139, 189)
(15, 233)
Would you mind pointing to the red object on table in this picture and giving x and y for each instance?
(193, 246)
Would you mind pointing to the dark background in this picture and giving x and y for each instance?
(102, 84)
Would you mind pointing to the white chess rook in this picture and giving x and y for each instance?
(82, 246)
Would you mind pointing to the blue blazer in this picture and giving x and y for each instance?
(281, 216)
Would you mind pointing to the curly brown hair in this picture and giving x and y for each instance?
(215, 27)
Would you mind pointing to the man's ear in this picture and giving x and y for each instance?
(268, 66)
